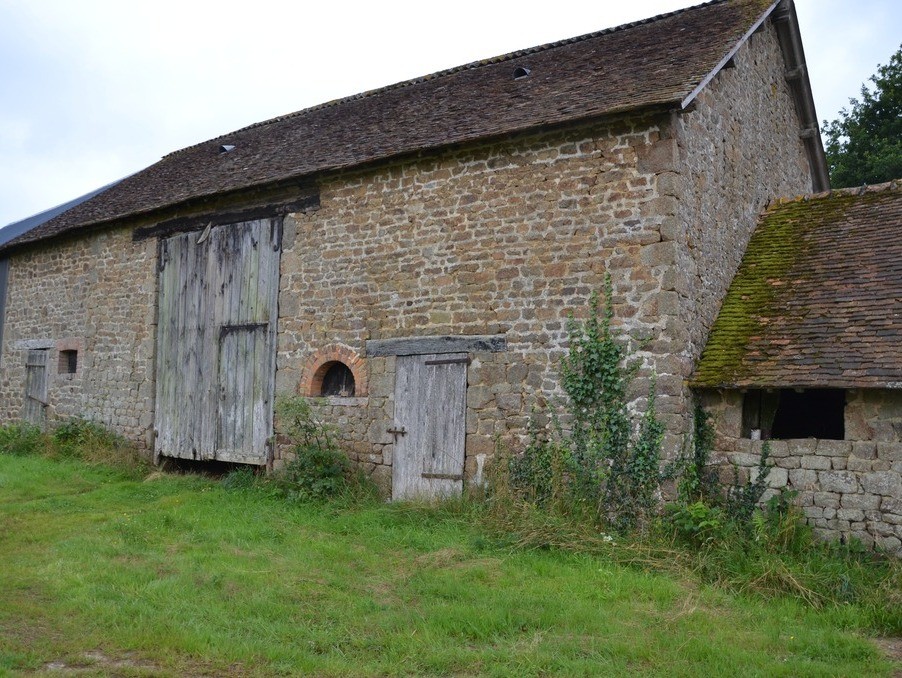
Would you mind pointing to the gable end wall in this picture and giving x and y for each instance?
(739, 148)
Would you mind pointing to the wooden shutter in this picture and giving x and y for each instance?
(36, 386)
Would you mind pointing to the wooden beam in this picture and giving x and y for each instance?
(197, 222)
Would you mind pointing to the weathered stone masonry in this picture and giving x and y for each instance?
(95, 294)
(500, 239)
(846, 488)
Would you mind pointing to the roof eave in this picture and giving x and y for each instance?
(826, 382)
(783, 14)
(787, 24)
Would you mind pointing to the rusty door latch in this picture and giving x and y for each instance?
(397, 432)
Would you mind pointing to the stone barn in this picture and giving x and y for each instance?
(410, 255)
(806, 353)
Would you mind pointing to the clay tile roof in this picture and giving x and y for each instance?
(655, 62)
(817, 301)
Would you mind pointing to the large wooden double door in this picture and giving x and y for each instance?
(216, 340)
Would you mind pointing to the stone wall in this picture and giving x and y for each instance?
(846, 488)
(96, 295)
(504, 238)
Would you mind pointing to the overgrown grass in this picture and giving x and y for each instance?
(187, 575)
(855, 588)
(75, 438)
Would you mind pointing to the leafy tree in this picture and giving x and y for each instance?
(864, 145)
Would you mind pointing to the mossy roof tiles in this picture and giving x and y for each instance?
(817, 301)
(651, 63)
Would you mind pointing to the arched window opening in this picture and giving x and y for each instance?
(338, 380)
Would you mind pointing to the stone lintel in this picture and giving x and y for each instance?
(490, 343)
(33, 344)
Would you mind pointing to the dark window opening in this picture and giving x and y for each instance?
(338, 381)
(68, 362)
(787, 413)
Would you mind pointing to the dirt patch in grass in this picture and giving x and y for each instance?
(453, 558)
(91, 662)
(99, 663)
(892, 648)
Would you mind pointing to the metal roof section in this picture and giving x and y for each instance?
(17, 228)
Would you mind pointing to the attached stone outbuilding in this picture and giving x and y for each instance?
(806, 353)
(411, 254)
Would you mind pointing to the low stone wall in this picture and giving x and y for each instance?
(845, 488)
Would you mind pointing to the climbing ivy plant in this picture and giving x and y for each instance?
(596, 458)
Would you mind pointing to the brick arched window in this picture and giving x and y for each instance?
(334, 370)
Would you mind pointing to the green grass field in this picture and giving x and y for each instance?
(102, 572)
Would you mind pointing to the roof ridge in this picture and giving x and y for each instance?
(451, 71)
(891, 185)
(883, 187)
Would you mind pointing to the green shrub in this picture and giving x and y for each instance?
(74, 438)
(20, 439)
(696, 524)
(537, 474)
(77, 437)
(320, 469)
(89, 441)
(697, 479)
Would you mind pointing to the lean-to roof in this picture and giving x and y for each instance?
(817, 301)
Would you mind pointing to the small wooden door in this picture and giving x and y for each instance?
(36, 386)
(216, 342)
(430, 425)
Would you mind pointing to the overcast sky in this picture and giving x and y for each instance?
(93, 90)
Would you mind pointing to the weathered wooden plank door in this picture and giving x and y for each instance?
(181, 338)
(246, 294)
(36, 386)
(430, 425)
(216, 338)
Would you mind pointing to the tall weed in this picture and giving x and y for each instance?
(19, 439)
(74, 438)
(601, 465)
